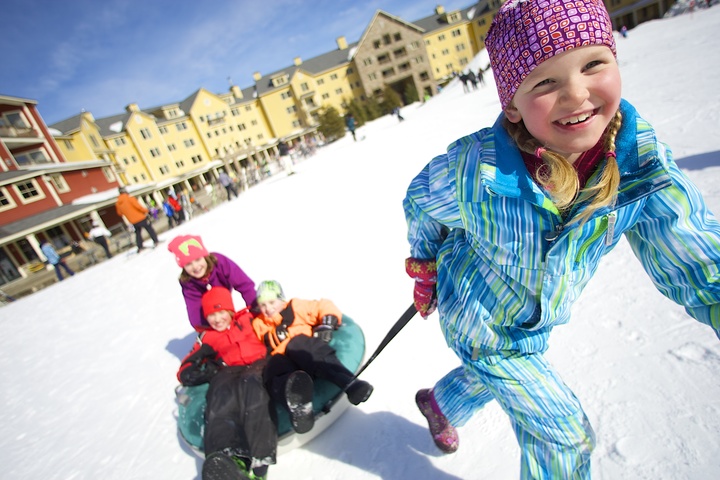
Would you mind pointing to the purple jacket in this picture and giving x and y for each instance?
(225, 274)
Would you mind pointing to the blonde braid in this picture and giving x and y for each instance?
(603, 193)
(557, 175)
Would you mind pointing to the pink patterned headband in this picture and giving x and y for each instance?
(525, 33)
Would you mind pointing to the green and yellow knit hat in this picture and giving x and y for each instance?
(269, 290)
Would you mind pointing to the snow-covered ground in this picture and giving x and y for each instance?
(88, 365)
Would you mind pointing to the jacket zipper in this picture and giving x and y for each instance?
(607, 228)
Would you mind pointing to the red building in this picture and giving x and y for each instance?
(43, 196)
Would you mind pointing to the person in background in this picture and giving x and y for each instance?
(55, 260)
(228, 183)
(202, 270)
(350, 123)
(100, 235)
(508, 227)
(136, 214)
(240, 435)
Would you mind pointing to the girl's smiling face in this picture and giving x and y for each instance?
(197, 268)
(567, 101)
(220, 321)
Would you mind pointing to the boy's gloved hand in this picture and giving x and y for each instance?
(205, 352)
(324, 331)
(281, 332)
(424, 272)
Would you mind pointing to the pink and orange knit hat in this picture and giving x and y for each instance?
(525, 33)
(187, 248)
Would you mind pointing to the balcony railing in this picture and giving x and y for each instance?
(17, 132)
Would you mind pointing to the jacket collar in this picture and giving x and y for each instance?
(640, 160)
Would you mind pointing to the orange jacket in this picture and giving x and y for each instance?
(305, 315)
(130, 208)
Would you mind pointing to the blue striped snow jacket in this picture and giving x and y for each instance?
(509, 268)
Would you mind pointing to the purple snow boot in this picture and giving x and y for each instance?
(444, 434)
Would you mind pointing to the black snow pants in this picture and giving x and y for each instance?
(240, 415)
(309, 354)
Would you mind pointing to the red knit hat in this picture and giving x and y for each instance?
(217, 299)
(187, 248)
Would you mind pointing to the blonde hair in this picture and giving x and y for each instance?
(558, 176)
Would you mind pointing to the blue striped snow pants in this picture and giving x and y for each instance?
(554, 434)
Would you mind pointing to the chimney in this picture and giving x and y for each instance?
(87, 116)
(237, 93)
(257, 76)
(341, 43)
(439, 10)
(298, 61)
(132, 107)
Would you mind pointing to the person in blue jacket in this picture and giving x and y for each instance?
(55, 260)
(509, 225)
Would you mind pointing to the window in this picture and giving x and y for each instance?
(304, 87)
(29, 191)
(181, 126)
(460, 47)
(384, 58)
(164, 170)
(349, 71)
(171, 147)
(179, 164)
(441, 37)
(400, 52)
(145, 133)
(424, 76)
(334, 76)
(376, 44)
(291, 109)
(372, 76)
(6, 201)
(248, 108)
(109, 175)
(125, 161)
(69, 145)
(388, 73)
(338, 91)
(415, 45)
(163, 130)
(241, 126)
(445, 51)
(196, 158)
(32, 157)
(456, 32)
(286, 95)
(132, 157)
(253, 122)
(94, 141)
(397, 37)
(155, 152)
(404, 66)
(189, 142)
(119, 142)
(325, 96)
(235, 112)
(296, 123)
(16, 119)
(386, 39)
(321, 81)
(57, 181)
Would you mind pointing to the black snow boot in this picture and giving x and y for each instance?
(298, 398)
(359, 391)
(221, 466)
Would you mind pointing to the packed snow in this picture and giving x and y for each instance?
(88, 365)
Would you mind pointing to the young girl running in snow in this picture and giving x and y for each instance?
(509, 225)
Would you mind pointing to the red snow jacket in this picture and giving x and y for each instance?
(238, 345)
